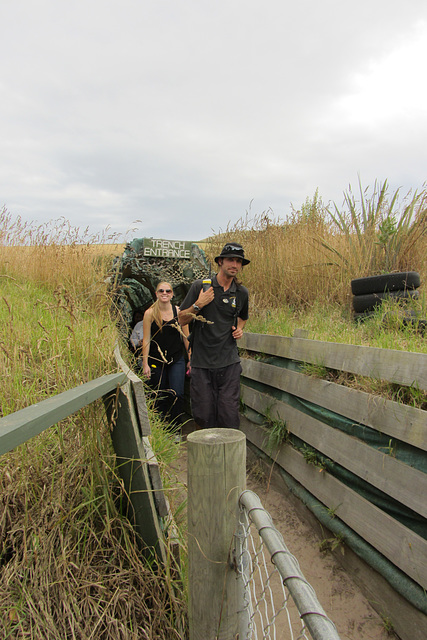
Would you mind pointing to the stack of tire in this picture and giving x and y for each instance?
(369, 293)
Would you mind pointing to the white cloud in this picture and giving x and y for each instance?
(393, 86)
(180, 113)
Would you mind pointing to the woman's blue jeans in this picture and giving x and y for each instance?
(168, 381)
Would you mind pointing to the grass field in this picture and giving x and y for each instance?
(68, 565)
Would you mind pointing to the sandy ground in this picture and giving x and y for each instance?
(339, 596)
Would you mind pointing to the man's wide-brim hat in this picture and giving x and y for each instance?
(232, 250)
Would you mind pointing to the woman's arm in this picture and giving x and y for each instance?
(146, 337)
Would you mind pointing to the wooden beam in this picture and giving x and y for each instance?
(409, 622)
(156, 480)
(216, 478)
(392, 418)
(400, 545)
(132, 466)
(380, 469)
(138, 393)
(22, 425)
(401, 367)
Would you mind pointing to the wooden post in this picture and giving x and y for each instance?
(216, 478)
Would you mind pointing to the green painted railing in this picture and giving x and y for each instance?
(18, 427)
(124, 401)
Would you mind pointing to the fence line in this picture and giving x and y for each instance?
(16, 428)
(233, 590)
(124, 400)
(257, 600)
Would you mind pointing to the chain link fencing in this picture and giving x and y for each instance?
(276, 601)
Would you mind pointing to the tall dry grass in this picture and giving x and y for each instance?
(312, 256)
(69, 562)
(57, 255)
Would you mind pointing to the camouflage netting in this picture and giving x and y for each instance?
(138, 275)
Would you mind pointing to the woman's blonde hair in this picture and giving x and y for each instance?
(157, 316)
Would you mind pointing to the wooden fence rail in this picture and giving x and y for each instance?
(338, 423)
(124, 400)
(18, 427)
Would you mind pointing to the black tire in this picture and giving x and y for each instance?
(361, 317)
(409, 318)
(372, 300)
(386, 282)
(420, 326)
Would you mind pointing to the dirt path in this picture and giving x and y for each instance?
(340, 597)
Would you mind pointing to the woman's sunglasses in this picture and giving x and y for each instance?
(164, 290)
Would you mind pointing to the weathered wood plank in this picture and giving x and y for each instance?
(141, 406)
(133, 469)
(401, 546)
(156, 481)
(138, 393)
(392, 418)
(408, 622)
(401, 367)
(22, 425)
(162, 502)
(216, 478)
(391, 476)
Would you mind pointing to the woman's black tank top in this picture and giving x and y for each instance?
(168, 340)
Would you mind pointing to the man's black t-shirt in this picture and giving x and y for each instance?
(212, 344)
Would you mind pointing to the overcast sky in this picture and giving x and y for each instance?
(179, 113)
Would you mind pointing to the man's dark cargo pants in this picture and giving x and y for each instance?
(215, 396)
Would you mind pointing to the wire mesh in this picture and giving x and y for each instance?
(276, 601)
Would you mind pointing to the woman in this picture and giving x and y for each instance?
(163, 362)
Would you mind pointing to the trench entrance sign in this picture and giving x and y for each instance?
(159, 248)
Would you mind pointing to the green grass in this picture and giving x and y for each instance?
(69, 565)
(69, 562)
(50, 342)
(334, 323)
(277, 431)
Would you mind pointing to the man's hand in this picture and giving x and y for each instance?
(205, 297)
(236, 333)
(186, 315)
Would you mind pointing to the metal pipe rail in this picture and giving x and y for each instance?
(310, 610)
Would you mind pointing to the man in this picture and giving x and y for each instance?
(217, 318)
